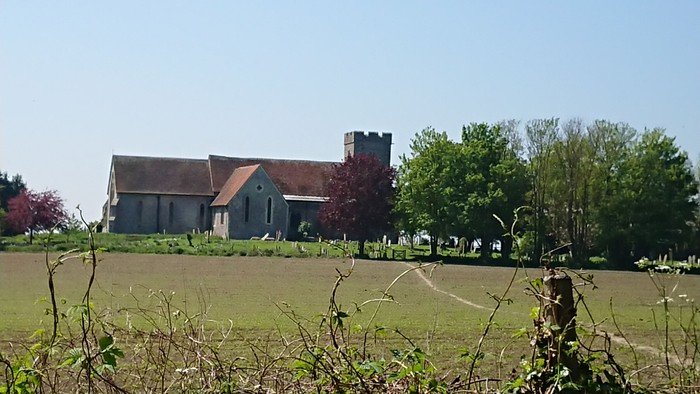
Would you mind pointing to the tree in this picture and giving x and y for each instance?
(612, 144)
(9, 188)
(2, 221)
(427, 186)
(574, 169)
(73, 225)
(304, 228)
(654, 202)
(572, 182)
(493, 182)
(696, 230)
(541, 134)
(32, 211)
(447, 188)
(360, 198)
(510, 128)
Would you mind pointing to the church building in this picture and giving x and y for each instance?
(233, 197)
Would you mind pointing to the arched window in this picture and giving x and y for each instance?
(201, 216)
(246, 210)
(269, 211)
(171, 213)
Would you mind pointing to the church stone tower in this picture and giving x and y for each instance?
(371, 143)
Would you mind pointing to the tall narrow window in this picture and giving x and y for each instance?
(221, 217)
(201, 216)
(246, 210)
(139, 211)
(269, 210)
(171, 213)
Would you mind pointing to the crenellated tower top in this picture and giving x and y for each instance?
(372, 143)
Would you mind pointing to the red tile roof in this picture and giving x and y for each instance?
(234, 183)
(292, 177)
(161, 175)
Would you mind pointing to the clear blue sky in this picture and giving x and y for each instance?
(82, 80)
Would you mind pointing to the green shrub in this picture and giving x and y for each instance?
(597, 261)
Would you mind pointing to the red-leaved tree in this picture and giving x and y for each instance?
(360, 199)
(33, 211)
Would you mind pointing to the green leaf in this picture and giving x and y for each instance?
(75, 357)
(105, 342)
(117, 352)
(537, 283)
(520, 333)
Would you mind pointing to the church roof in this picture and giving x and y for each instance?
(292, 177)
(208, 177)
(161, 175)
(234, 183)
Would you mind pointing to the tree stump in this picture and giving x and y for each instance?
(560, 316)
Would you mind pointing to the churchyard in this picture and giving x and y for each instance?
(203, 245)
(442, 310)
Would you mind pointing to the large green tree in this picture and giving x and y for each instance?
(574, 169)
(540, 136)
(612, 144)
(427, 186)
(494, 182)
(599, 188)
(570, 205)
(447, 188)
(654, 202)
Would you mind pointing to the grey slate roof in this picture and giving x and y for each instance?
(161, 175)
(206, 177)
(295, 177)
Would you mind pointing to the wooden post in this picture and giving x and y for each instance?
(559, 311)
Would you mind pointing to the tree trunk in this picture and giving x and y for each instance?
(506, 249)
(560, 313)
(485, 249)
(433, 246)
(539, 236)
(31, 236)
(361, 247)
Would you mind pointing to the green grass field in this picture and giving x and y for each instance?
(249, 292)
